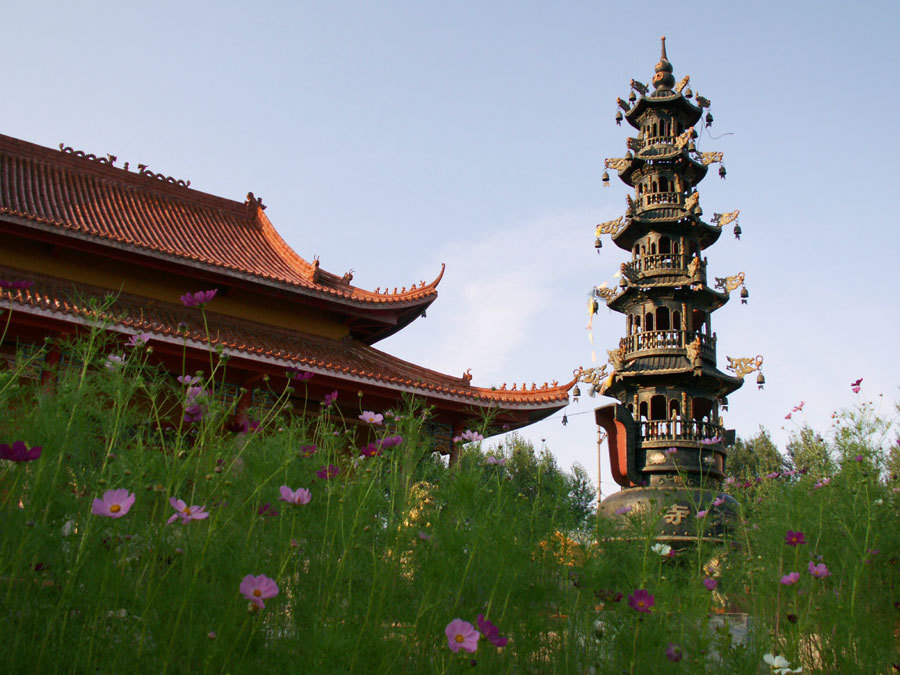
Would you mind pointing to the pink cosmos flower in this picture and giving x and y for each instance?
(186, 513)
(257, 589)
(371, 417)
(702, 514)
(821, 483)
(772, 475)
(328, 472)
(267, 510)
(370, 450)
(641, 601)
(854, 386)
(491, 459)
(19, 284)
(790, 578)
(674, 653)
(298, 496)
(468, 436)
(330, 398)
(461, 635)
(730, 480)
(194, 405)
(819, 571)
(114, 361)
(198, 298)
(115, 503)
(307, 450)
(138, 340)
(710, 441)
(490, 632)
(390, 441)
(622, 510)
(19, 452)
(794, 538)
(188, 380)
(858, 458)
(710, 583)
(718, 501)
(671, 451)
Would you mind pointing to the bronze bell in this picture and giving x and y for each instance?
(709, 119)
(576, 392)
(744, 295)
(605, 179)
(618, 117)
(737, 231)
(688, 93)
(565, 419)
(598, 244)
(631, 97)
(623, 282)
(760, 380)
(722, 171)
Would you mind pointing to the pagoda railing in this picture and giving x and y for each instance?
(659, 140)
(677, 262)
(667, 339)
(662, 199)
(678, 430)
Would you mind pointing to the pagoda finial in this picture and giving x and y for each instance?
(663, 78)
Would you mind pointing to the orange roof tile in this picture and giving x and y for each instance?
(80, 195)
(348, 358)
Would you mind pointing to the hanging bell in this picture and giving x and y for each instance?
(737, 231)
(688, 93)
(709, 119)
(744, 295)
(722, 171)
(691, 146)
(565, 420)
(605, 179)
(576, 392)
(693, 132)
(618, 117)
(725, 403)
(760, 380)
(623, 283)
(598, 244)
(632, 97)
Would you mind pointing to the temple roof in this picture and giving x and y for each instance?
(86, 197)
(347, 359)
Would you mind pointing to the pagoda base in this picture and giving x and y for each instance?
(677, 509)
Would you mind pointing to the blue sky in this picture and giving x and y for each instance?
(391, 137)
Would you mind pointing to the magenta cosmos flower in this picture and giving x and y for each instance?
(491, 459)
(257, 589)
(370, 450)
(710, 583)
(641, 601)
(855, 385)
(115, 503)
(390, 441)
(372, 417)
(186, 513)
(298, 496)
(491, 632)
(328, 472)
(19, 452)
(19, 284)
(794, 538)
(819, 571)
(791, 578)
(461, 635)
(468, 436)
(330, 398)
(299, 375)
(674, 653)
(198, 298)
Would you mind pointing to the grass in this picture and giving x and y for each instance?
(388, 552)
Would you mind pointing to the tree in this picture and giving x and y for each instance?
(808, 450)
(756, 456)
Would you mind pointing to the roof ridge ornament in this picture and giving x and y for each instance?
(663, 79)
(69, 150)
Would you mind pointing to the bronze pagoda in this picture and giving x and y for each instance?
(666, 439)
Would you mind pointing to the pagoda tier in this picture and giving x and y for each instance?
(666, 432)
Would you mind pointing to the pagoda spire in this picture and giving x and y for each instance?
(667, 440)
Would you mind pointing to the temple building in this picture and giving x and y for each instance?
(666, 439)
(80, 228)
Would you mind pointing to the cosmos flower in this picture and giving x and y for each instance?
(791, 578)
(298, 496)
(115, 503)
(779, 664)
(819, 571)
(328, 472)
(138, 340)
(641, 601)
(114, 361)
(330, 398)
(710, 441)
(299, 375)
(491, 459)
(370, 450)
(468, 436)
(772, 475)
(257, 589)
(794, 538)
(372, 417)
(710, 583)
(661, 549)
(671, 451)
(390, 441)
(267, 510)
(718, 501)
(461, 635)
(822, 482)
(674, 653)
(622, 510)
(188, 380)
(854, 386)
(198, 298)
(702, 514)
(490, 632)
(19, 452)
(307, 450)
(186, 513)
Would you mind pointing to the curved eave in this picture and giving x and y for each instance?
(710, 378)
(693, 170)
(705, 297)
(691, 112)
(675, 221)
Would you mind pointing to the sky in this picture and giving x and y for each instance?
(391, 137)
